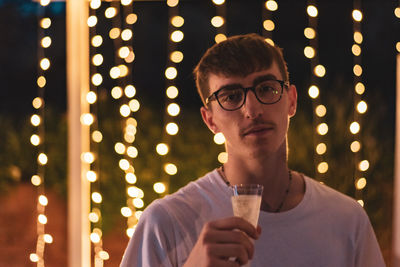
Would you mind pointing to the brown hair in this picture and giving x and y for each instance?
(239, 55)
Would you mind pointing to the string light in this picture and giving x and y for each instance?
(360, 106)
(37, 138)
(218, 21)
(268, 24)
(318, 71)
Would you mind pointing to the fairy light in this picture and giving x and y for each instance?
(360, 105)
(219, 20)
(318, 71)
(37, 139)
(270, 6)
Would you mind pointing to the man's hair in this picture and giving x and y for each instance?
(239, 55)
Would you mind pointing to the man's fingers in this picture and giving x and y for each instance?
(233, 223)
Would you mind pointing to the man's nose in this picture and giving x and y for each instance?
(252, 107)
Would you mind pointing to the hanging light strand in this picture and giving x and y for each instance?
(37, 139)
(172, 108)
(319, 110)
(397, 14)
(360, 106)
(270, 6)
(219, 20)
(123, 19)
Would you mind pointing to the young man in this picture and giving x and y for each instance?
(245, 88)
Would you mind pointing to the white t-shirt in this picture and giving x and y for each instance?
(326, 228)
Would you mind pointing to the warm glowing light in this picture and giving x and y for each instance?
(96, 197)
(126, 34)
(363, 165)
(360, 88)
(135, 192)
(126, 2)
(115, 72)
(91, 176)
(97, 136)
(94, 217)
(171, 73)
(217, 21)
(270, 41)
(322, 129)
(223, 157)
(131, 19)
(357, 15)
(119, 148)
(110, 12)
(130, 58)
(36, 180)
(219, 138)
(91, 97)
(159, 187)
(323, 167)
(361, 183)
(361, 202)
(354, 127)
(126, 212)
(320, 110)
(172, 128)
(94, 237)
(41, 81)
(177, 21)
(321, 148)
(97, 60)
(170, 168)
(138, 203)
(309, 33)
(124, 110)
(130, 91)
(132, 152)
(42, 159)
(123, 52)
(92, 21)
(130, 178)
(313, 91)
(45, 23)
(48, 238)
(43, 200)
(309, 52)
(88, 157)
(123, 70)
(269, 25)
(114, 33)
(87, 119)
(218, 2)
(355, 146)
(172, 92)
(398, 47)
(35, 120)
(95, 4)
(358, 37)
(97, 79)
(35, 139)
(42, 219)
(362, 107)
(116, 92)
(271, 5)
(357, 70)
(173, 109)
(172, 3)
(34, 257)
(37, 102)
(134, 105)
(319, 70)
(46, 42)
(176, 56)
(162, 149)
(220, 37)
(124, 164)
(130, 232)
(356, 49)
(97, 40)
(44, 2)
(177, 36)
(397, 12)
(312, 11)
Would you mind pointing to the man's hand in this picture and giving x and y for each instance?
(222, 240)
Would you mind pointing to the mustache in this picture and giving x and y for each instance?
(257, 124)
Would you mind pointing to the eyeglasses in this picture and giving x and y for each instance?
(232, 98)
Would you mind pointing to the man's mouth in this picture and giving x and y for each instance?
(257, 130)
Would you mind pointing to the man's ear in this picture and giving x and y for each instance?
(207, 116)
(292, 93)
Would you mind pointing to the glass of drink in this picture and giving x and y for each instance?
(246, 201)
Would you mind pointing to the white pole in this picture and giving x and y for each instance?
(78, 134)
(396, 191)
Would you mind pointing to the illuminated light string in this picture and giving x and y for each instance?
(219, 20)
(37, 139)
(96, 137)
(123, 18)
(268, 24)
(360, 106)
(318, 71)
(172, 108)
(397, 14)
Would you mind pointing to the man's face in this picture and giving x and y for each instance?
(255, 128)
